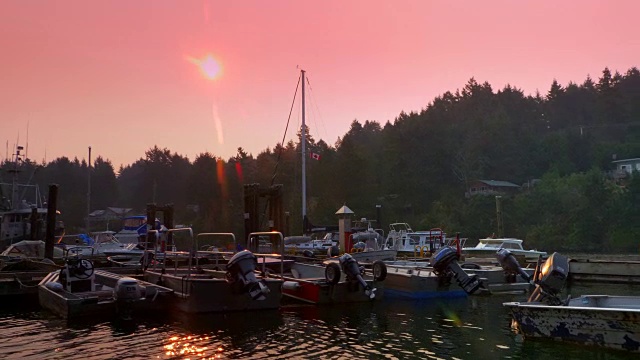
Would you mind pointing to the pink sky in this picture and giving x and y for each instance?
(116, 75)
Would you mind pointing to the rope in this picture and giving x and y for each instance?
(273, 177)
(22, 284)
(275, 169)
(316, 109)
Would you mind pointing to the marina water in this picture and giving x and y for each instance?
(475, 327)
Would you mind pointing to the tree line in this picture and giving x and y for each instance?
(416, 167)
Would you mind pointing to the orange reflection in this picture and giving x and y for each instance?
(222, 178)
(188, 346)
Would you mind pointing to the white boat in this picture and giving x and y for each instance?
(79, 290)
(600, 320)
(134, 229)
(418, 243)
(18, 202)
(301, 244)
(99, 244)
(239, 288)
(489, 246)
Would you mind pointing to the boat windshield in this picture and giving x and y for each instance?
(400, 227)
(499, 244)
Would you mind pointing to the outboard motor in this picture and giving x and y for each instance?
(127, 290)
(241, 275)
(354, 272)
(77, 275)
(333, 251)
(550, 280)
(445, 263)
(510, 265)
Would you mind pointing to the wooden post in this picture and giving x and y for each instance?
(51, 221)
(33, 220)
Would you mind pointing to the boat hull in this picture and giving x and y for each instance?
(617, 328)
(99, 302)
(370, 257)
(417, 283)
(319, 292)
(210, 292)
(309, 284)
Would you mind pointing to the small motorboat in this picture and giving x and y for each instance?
(338, 280)
(79, 290)
(601, 320)
(237, 288)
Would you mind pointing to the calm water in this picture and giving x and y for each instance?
(467, 328)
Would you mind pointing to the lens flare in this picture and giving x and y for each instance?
(208, 65)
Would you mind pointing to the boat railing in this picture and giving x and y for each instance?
(254, 245)
(213, 250)
(159, 250)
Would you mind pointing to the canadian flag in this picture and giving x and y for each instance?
(314, 156)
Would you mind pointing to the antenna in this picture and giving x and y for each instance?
(26, 151)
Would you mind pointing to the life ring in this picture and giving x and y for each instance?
(425, 250)
(417, 250)
(332, 273)
(379, 270)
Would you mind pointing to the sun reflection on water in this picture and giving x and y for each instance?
(188, 346)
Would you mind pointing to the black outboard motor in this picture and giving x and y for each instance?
(242, 277)
(353, 271)
(550, 280)
(445, 263)
(333, 251)
(510, 265)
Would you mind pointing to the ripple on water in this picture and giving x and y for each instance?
(475, 328)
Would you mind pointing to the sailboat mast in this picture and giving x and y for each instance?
(303, 141)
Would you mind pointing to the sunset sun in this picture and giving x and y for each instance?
(208, 65)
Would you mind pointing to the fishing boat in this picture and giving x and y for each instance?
(367, 243)
(489, 246)
(599, 320)
(434, 279)
(79, 290)
(416, 282)
(418, 243)
(338, 280)
(237, 288)
(23, 214)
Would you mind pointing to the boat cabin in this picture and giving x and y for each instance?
(500, 243)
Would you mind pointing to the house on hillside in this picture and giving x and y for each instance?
(625, 167)
(109, 218)
(491, 187)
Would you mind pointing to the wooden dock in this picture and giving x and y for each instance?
(605, 268)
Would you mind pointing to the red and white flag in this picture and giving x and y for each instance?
(314, 156)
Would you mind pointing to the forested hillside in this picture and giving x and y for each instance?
(417, 168)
